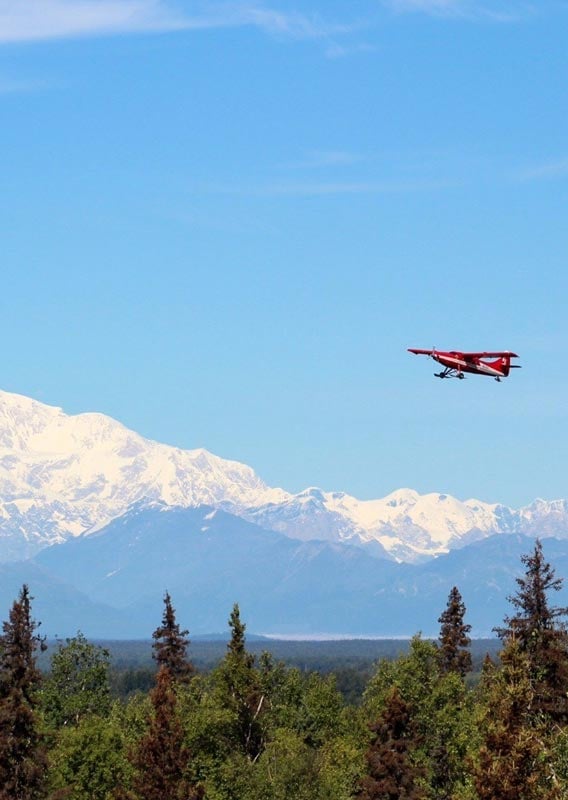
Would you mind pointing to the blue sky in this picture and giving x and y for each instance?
(224, 223)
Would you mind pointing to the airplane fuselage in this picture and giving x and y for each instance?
(457, 363)
(477, 367)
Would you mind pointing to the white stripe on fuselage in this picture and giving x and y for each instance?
(460, 363)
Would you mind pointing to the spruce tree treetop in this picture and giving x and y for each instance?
(170, 644)
(454, 655)
(236, 645)
(534, 614)
(18, 645)
(540, 633)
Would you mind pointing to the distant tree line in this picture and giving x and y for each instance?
(253, 728)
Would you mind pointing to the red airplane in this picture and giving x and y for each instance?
(455, 363)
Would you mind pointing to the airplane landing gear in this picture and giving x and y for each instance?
(450, 372)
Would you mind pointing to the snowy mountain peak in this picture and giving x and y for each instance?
(65, 475)
(401, 497)
(62, 475)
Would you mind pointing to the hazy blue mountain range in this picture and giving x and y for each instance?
(100, 522)
(111, 583)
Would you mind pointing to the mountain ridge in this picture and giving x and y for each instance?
(63, 476)
(207, 560)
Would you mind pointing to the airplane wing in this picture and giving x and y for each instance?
(490, 354)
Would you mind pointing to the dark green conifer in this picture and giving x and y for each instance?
(161, 760)
(170, 645)
(540, 633)
(454, 641)
(22, 749)
(391, 773)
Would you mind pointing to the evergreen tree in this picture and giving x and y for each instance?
(237, 642)
(540, 633)
(170, 645)
(454, 641)
(391, 773)
(241, 691)
(514, 761)
(22, 750)
(161, 760)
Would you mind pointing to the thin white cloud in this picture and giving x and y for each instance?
(437, 7)
(546, 171)
(11, 86)
(492, 10)
(317, 159)
(323, 188)
(290, 24)
(33, 20)
(336, 50)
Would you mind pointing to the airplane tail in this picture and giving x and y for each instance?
(503, 363)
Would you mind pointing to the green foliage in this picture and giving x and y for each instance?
(287, 769)
(78, 684)
(450, 735)
(208, 725)
(132, 717)
(415, 673)
(442, 710)
(239, 690)
(89, 760)
(341, 766)
(309, 705)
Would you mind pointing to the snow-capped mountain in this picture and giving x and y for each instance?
(66, 475)
(404, 525)
(63, 475)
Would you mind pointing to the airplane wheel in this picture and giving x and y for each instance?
(461, 377)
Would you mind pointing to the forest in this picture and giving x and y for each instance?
(426, 723)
